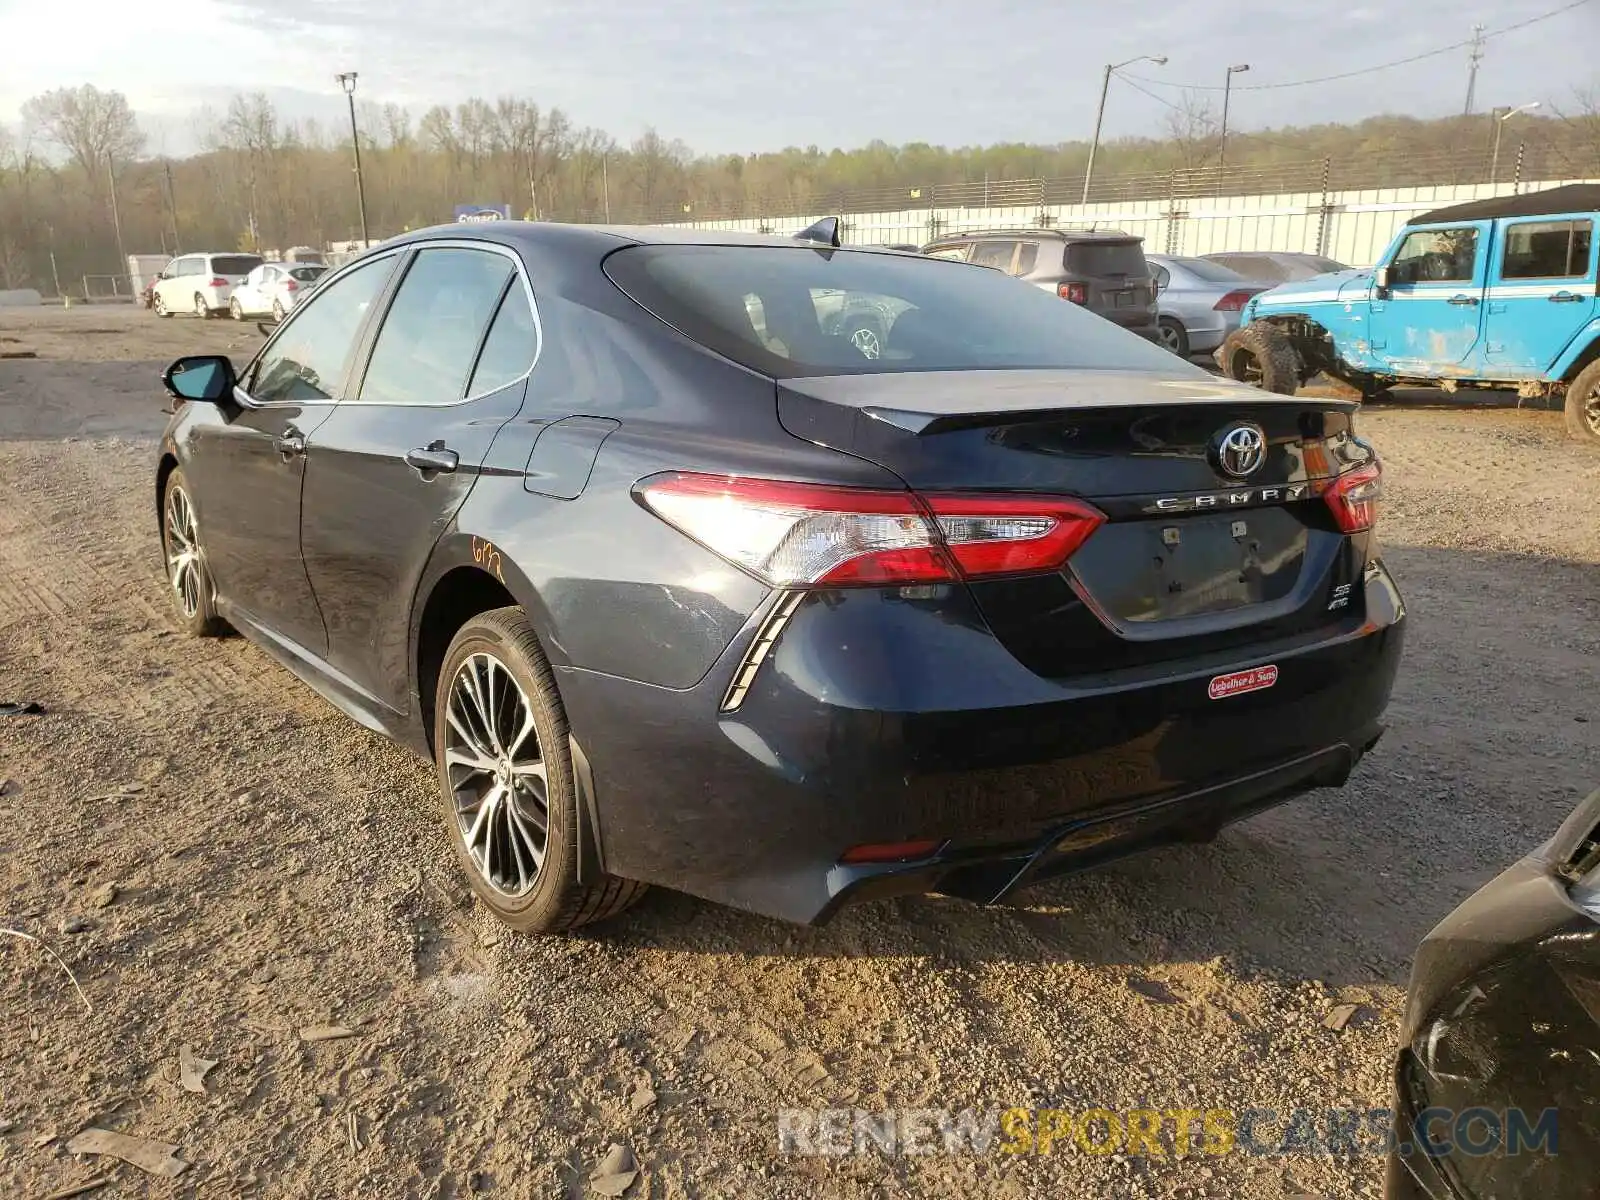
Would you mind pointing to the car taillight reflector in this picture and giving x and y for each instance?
(219, 282)
(1232, 302)
(888, 852)
(804, 534)
(290, 285)
(1354, 498)
(1078, 293)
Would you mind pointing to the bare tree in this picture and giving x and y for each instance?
(89, 124)
(1194, 131)
(1579, 151)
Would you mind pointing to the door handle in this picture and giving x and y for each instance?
(290, 444)
(433, 458)
(1565, 298)
(1467, 301)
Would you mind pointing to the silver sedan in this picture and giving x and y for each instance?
(1199, 302)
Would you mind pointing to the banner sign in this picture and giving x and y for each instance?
(472, 213)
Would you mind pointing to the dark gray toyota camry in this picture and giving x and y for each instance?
(777, 572)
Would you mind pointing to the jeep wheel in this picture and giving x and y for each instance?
(1583, 404)
(1263, 356)
(1174, 336)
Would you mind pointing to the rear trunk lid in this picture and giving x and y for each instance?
(1117, 277)
(1191, 558)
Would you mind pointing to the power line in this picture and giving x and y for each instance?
(1399, 62)
(1158, 99)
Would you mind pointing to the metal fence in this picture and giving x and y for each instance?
(1443, 167)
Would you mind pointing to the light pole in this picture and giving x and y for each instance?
(1499, 128)
(1227, 94)
(1159, 60)
(347, 80)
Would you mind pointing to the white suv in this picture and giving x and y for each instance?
(200, 283)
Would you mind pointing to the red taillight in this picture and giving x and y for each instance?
(804, 534)
(1232, 302)
(219, 282)
(1078, 293)
(887, 852)
(290, 285)
(1354, 498)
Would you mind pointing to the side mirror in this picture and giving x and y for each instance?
(1381, 278)
(206, 378)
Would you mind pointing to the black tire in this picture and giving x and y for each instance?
(1583, 404)
(1174, 336)
(1261, 355)
(555, 901)
(194, 598)
(201, 308)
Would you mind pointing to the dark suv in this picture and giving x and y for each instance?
(1102, 269)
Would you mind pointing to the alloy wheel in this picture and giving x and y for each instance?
(183, 553)
(1170, 339)
(867, 341)
(200, 309)
(497, 775)
(277, 310)
(159, 305)
(1591, 410)
(235, 310)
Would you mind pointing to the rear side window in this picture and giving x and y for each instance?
(1027, 256)
(431, 335)
(994, 254)
(1548, 250)
(958, 253)
(307, 274)
(510, 348)
(234, 264)
(792, 312)
(1106, 258)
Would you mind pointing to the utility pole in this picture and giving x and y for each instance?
(605, 187)
(1227, 94)
(1159, 60)
(116, 222)
(54, 274)
(172, 210)
(347, 80)
(1474, 57)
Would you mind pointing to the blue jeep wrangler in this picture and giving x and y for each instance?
(1495, 293)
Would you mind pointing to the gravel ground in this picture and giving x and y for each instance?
(223, 861)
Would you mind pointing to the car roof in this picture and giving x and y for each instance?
(1572, 198)
(607, 237)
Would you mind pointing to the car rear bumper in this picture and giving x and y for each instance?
(880, 717)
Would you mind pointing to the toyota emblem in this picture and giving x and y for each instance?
(1241, 449)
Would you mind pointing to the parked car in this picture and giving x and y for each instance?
(273, 288)
(1198, 302)
(1494, 293)
(749, 613)
(1102, 270)
(1497, 1073)
(200, 283)
(1275, 266)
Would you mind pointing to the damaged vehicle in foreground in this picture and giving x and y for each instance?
(1498, 1076)
(678, 583)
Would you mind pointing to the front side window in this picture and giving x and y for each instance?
(308, 358)
(1548, 250)
(793, 312)
(431, 335)
(1436, 256)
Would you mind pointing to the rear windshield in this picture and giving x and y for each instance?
(1209, 271)
(1106, 258)
(306, 274)
(797, 311)
(234, 264)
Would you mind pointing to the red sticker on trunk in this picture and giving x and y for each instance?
(1252, 680)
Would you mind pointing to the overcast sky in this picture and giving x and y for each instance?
(762, 74)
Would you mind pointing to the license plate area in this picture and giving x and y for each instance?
(1189, 566)
(1122, 299)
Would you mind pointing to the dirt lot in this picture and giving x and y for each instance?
(276, 867)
